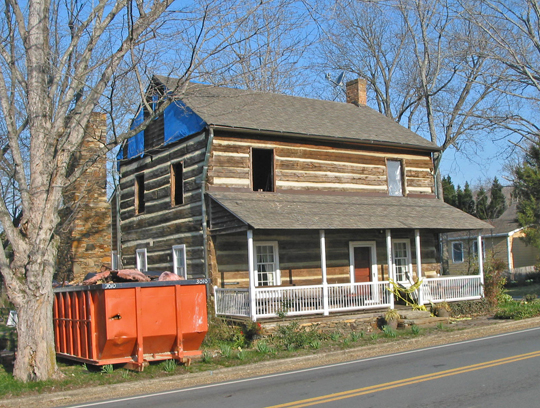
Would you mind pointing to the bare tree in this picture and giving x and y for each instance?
(513, 28)
(59, 61)
(273, 59)
(426, 67)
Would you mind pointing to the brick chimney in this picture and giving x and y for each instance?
(356, 92)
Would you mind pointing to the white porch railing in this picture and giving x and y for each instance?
(231, 302)
(302, 300)
(451, 288)
(356, 296)
(291, 301)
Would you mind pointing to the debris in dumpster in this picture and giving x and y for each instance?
(169, 276)
(130, 275)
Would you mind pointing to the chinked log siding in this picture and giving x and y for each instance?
(162, 224)
(309, 166)
(299, 254)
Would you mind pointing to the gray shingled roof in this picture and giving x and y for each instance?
(261, 111)
(295, 211)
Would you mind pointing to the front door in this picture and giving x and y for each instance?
(362, 264)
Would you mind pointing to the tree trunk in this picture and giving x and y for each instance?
(36, 356)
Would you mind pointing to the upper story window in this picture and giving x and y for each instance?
(457, 252)
(177, 183)
(395, 177)
(262, 169)
(139, 194)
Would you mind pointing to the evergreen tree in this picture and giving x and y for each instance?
(527, 191)
(497, 204)
(459, 197)
(482, 207)
(467, 200)
(449, 191)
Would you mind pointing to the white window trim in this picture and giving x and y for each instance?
(365, 244)
(139, 266)
(114, 260)
(175, 266)
(462, 254)
(276, 260)
(409, 258)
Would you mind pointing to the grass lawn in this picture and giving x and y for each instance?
(517, 292)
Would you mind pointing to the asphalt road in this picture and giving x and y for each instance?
(497, 371)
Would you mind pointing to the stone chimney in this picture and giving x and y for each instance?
(86, 236)
(356, 92)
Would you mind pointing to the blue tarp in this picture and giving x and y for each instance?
(179, 121)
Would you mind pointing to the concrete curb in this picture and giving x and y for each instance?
(177, 382)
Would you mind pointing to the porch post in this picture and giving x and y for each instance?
(323, 269)
(480, 260)
(251, 269)
(391, 274)
(418, 264)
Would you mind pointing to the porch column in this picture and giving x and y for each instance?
(481, 260)
(391, 274)
(251, 269)
(323, 269)
(418, 264)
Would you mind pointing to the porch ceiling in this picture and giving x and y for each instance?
(299, 211)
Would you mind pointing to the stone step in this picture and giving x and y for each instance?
(424, 322)
(414, 314)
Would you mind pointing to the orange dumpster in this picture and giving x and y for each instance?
(130, 323)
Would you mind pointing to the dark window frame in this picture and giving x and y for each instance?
(139, 194)
(177, 183)
(263, 178)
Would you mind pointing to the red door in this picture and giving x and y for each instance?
(362, 264)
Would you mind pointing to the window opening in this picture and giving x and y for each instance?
(262, 165)
(402, 260)
(395, 177)
(139, 194)
(267, 264)
(457, 252)
(179, 260)
(177, 183)
(141, 260)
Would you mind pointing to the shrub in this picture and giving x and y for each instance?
(470, 307)
(292, 336)
(494, 280)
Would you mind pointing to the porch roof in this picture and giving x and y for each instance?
(309, 211)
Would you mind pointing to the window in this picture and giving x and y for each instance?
(114, 260)
(177, 183)
(139, 194)
(457, 252)
(475, 249)
(262, 167)
(395, 177)
(179, 260)
(141, 260)
(402, 260)
(267, 264)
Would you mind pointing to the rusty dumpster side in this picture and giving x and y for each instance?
(130, 323)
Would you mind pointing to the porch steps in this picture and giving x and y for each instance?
(419, 318)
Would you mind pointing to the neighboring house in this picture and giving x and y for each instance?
(286, 203)
(504, 241)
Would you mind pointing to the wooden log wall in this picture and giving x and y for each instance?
(299, 255)
(162, 224)
(318, 167)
